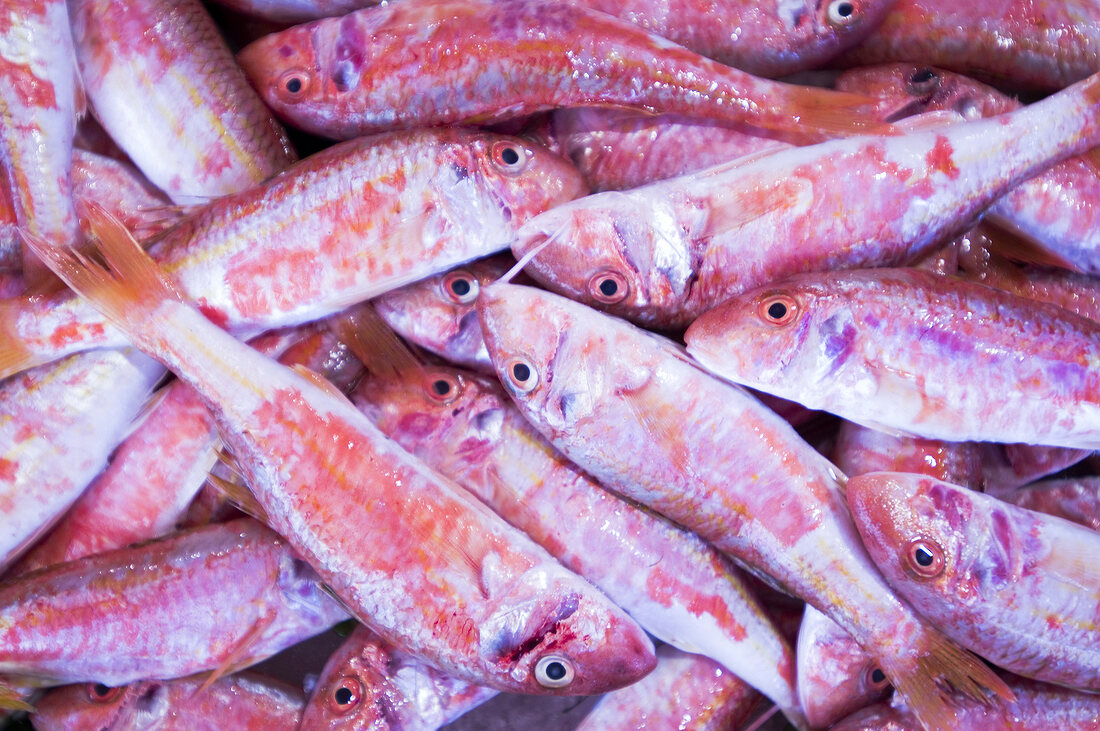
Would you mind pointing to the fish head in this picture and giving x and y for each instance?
(524, 178)
(95, 706)
(556, 640)
(355, 689)
(916, 529)
(839, 24)
(440, 313)
(914, 89)
(614, 252)
(781, 339)
(286, 71)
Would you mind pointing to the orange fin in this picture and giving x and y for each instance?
(748, 205)
(318, 380)
(1006, 242)
(12, 700)
(374, 343)
(237, 659)
(927, 681)
(831, 113)
(240, 496)
(15, 357)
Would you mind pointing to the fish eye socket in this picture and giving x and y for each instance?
(509, 157)
(875, 679)
(101, 693)
(778, 310)
(293, 85)
(923, 81)
(925, 558)
(443, 388)
(460, 287)
(841, 12)
(554, 671)
(521, 375)
(608, 287)
(345, 695)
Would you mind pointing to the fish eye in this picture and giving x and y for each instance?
(443, 388)
(778, 309)
(922, 81)
(874, 679)
(101, 693)
(460, 287)
(521, 375)
(554, 671)
(925, 558)
(293, 85)
(345, 695)
(608, 287)
(509, 157)
(841, 13)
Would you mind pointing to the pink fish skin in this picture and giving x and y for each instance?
(664, 253)
(58, 425)
(859, 450)
(1043, 46)
(1038, 707)
(441, 62)
(367, 216)
(835, 675)
(165, 86)
(635, 413)
(900, 349)
(1076, 499)
(676, 586)
(1017, 587)
(166, 609)
(426, 565)
(295, 11)
(684, 691)
(439, 313)
(368, 685)
(616, 149)
(40, 97)
(1056, 210)
(254, 703)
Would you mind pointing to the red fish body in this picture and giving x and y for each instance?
(1017, 587)
(439, 62)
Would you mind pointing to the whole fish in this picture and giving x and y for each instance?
(440, 62)
(1055, 211)
(342, 226)
(1016, 43)
(368, 685)
(663, 254)
(225, 595)
(421, 562)
(249, 702)
(677, 587)
(1017, 587)
(164, 84)
(634, 412)
(905, 350)
(684, 691)
(40, 97)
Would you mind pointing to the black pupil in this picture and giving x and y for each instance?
(923, 556)
(877, 676)
(441, 387)
(555, 671)
(294, 85)
(521, 372)
(100, 689)
(777, 310)
(344, 696)
(608, 287)
(509, 156)
(844, 10)
(461, 287)
(922, 76)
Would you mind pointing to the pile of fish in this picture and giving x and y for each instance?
(578, 354)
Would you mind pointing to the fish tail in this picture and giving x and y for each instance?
(927, 679)
(829, 114)
(15, 356)
(128, 289)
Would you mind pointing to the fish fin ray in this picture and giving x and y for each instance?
(15, 356)
(236, 659)
(240, 496)
(1006, 242)
(834, 114)
(318, 380)
(375, 344)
